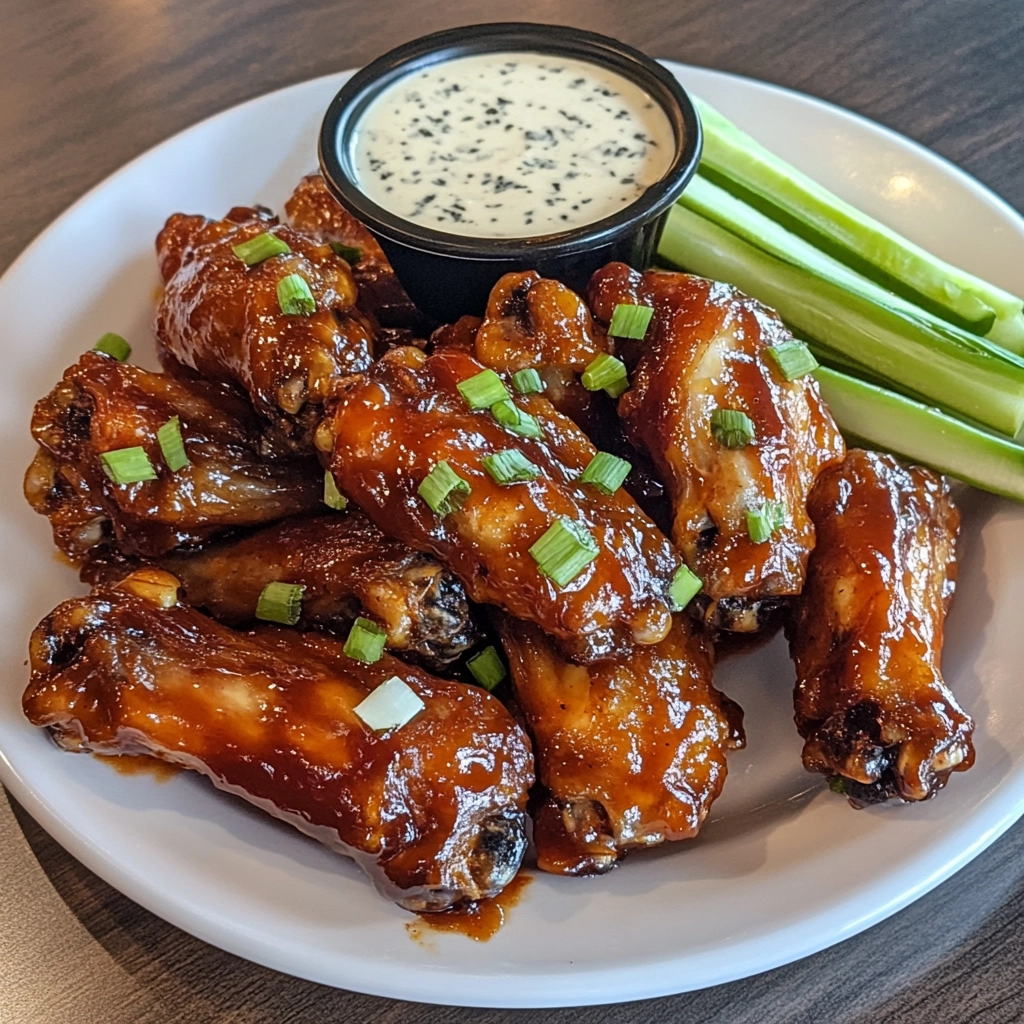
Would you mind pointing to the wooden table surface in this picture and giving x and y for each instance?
(86, 85)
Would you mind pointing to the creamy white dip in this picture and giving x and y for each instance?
(510, 145)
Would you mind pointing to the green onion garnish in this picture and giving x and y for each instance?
(349, 253)
(294, 296)
(510, 467)
(390, 706)
(630, 321)
(684, 587)
(443, 490)
(527, 382)
(732, 428)
(511, 417)
(793, 358)
(606, 472)
(280, 602)
(487, 667)
(837, 784)
(172, 446)
(608, 373)
(764, 521)
(564, 551)
(128, 465)
(483, 390)
(260, 248)
(333, 498)
(113, 345)
(366, 641)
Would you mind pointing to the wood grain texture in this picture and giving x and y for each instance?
(87, 84)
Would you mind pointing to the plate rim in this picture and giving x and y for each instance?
(550, 989)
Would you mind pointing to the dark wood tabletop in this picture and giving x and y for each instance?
(86, 85)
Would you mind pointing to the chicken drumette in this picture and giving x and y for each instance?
(102, 405)
(631, 751)
(433, 810)
(709, 348)
(866, 633)
(390, 428)
(225, 319)
(347, 567)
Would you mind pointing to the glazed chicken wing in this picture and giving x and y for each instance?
(708, 348)
(224, 319)
(866, 634)
(314, 211)
(630, 750)
(391, 427)
(348, 568)
(432, 810)
(102, 405)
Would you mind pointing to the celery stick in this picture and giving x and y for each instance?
(919, 433)
(734, 160)
(953, 369)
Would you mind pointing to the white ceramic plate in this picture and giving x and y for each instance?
(783, 869)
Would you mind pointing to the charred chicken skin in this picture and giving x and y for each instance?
(631, 750)
(225, 320)
(102, 405)
(708, 348)
(348, 568)
(315, 212)
(432, 810)
(866, 634)
(390, 428)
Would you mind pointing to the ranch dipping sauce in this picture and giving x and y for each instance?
(510, 145)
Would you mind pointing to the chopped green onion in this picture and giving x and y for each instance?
(764, 521)
(443, 490)
(260, 248)
(366, 641)
(732, 428)
(511, 417)
(483, 390)
(527, 382)
(113, 345)
(564, 551)
(333, 498)
(793, 358)
(487, 667)
(685, 586)
(294, 296)
(837, 784)
(280, 602)
(606, 472)
(349, 253)
(172, 446)
(390, 706)
(608, 373)
(128, 465)
(630, 321)
(510, 467)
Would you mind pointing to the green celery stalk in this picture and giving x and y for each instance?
(745, 168)
(922, 434)
(950, 368)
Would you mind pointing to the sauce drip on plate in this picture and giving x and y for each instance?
(511, 145)
(479, 921)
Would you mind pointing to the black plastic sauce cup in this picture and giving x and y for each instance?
(448, 275)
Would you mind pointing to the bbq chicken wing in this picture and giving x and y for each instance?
(866, 634)
(390, 428)
(225, 319)
(708, 348)
(315, 212)
(102, 405)
(432, 810)
(631, 751)
(348, 568)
